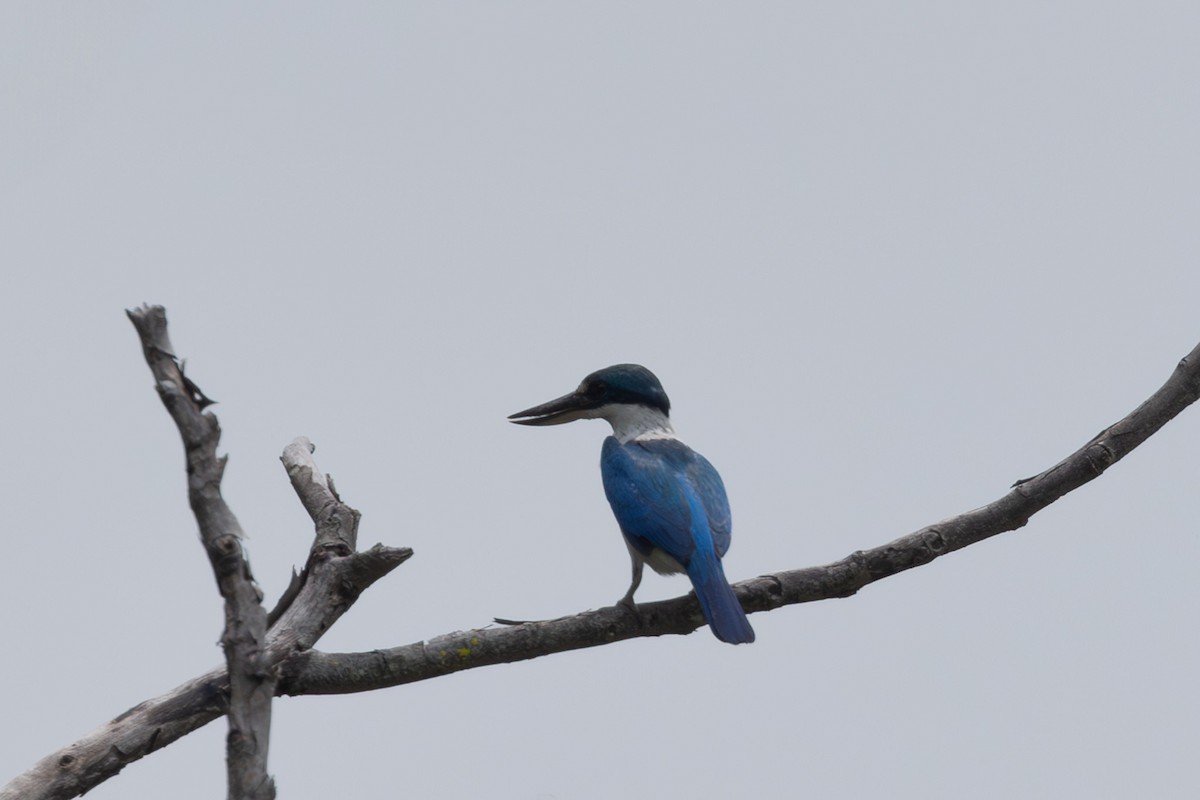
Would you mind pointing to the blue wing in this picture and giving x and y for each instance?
(711, 489)
(652, 487)
(668, 497)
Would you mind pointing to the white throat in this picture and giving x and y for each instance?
(630, 422)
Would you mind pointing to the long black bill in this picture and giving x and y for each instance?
(567, 408)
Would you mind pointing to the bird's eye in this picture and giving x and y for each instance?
(595, 389)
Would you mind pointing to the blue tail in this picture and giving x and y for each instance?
(718, 602)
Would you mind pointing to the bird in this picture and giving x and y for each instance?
(669, 501)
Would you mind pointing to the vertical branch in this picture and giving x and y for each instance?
(251, 681)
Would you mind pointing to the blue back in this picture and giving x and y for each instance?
(666, 495)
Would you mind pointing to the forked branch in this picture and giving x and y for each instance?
(335, 574)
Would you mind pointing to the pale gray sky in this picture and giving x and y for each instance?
(886, 258)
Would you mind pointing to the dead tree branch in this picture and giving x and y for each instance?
(252, 682)
(330, 585)
(158, 722)
(315, 672)
(333, 578)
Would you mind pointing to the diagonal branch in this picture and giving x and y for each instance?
(338, 673)
(252, 684)
(158, 722)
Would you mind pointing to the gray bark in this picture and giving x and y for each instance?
(336, 574)
(332, 579)
(341, 673)
(252, 682)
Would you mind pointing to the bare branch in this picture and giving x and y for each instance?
(252, 686)
(160, 721)
(325, 589)
(336, 522)
(325, 673)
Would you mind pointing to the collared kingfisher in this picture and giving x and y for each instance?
(669, 501)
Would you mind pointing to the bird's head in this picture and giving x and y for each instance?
(602, 395)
